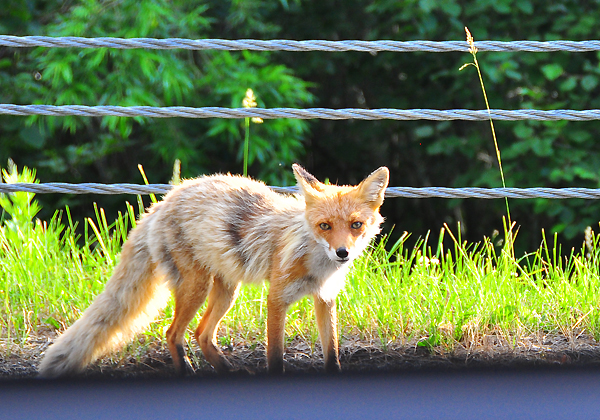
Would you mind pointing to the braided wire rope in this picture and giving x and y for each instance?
(309, 113)
(391, 192)
(289, 45)
(312, 45)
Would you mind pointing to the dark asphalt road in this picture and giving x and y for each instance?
(532, 394)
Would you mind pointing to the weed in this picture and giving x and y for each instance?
(440, 292)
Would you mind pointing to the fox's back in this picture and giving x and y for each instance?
(228, 224)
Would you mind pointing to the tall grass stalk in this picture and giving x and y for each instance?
(249, 101)
(246, 145)
(475, 63)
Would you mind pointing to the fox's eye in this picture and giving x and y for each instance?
(356, 225)
(325, 226)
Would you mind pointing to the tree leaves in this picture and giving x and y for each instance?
(157, 78)
(552, 71)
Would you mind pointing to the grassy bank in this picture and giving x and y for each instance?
(441, 292)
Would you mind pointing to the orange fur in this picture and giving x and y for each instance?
(207, 237)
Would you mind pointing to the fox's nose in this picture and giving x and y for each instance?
(342, 252)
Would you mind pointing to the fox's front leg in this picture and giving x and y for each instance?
(276, 310)
(325, 312)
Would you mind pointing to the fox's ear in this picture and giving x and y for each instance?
(308, 184)
(372, 188)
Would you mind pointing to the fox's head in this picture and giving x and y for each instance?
(343, 219)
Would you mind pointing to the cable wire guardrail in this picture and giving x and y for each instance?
(308, 113)
(391, 192)
(290, 45)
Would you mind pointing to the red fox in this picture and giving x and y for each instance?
(209, 235)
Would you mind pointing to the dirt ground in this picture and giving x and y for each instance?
(492, 351)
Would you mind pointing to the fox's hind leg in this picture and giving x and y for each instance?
(190, 294)
(221, 299)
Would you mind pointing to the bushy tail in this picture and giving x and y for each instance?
(132, 298)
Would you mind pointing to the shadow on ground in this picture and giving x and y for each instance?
(356, 356)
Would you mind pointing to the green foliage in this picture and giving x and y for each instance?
(19, 205)
(419, 153)
(275, 143)
(48, 273)
(445, 295)
(107, 149)
(458, 153)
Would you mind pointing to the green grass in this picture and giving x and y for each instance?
(442, 292)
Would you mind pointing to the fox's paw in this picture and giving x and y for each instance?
(187, 369)
(275, 367)
(333, 367)
(223, 366)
